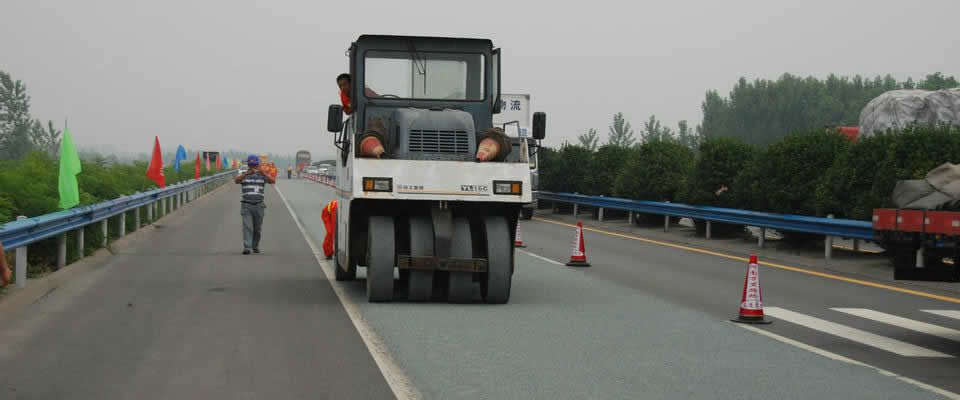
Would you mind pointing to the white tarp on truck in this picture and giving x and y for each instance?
(898, 108)
(939, 190)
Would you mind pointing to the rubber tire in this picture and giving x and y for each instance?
(339, 273)
(381, 257)
(526, 213)
(495, 283)
(420, 282)
(460, 284)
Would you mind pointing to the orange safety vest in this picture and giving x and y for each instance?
(329, 216)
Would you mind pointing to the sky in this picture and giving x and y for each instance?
(258, 76)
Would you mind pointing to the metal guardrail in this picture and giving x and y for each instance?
(828, 227)
(25, 231)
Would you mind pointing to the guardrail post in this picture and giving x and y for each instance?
(666, 223)
(762, 238)
(61, 251)
(136, 218)
(103, 227)
(856, 244)
(828, 244)
(600, 214)
(630, 217)
(80, 234)
(123, 224)
(21, 267)
(576, 207)
(149, 213)
(708, 230)
(920, 258)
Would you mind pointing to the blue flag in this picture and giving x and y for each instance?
(181, 155)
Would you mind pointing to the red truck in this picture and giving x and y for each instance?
(922, 244)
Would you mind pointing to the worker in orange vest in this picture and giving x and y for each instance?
(329, 216)
(4, 271)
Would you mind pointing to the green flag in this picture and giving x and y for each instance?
(69, 168)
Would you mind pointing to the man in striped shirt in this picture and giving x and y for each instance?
(252, 207)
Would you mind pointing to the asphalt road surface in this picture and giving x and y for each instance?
(179, 313)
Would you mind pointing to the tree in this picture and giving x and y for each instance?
(15, 118)
(763, 111)
(936, 81)
(589, 140)
(653, 131)
(688, 137)
(47, 139)
(621, 134)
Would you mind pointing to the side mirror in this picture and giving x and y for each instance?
(335, 118)
(539, 125)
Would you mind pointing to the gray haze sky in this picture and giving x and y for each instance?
(258, 76)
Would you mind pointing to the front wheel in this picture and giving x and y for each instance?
(381, 259)
(495, 283)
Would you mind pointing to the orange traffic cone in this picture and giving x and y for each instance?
(751, 302)
(518, 241)
(578, 253)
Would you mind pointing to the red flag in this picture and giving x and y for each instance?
(196, 168)
(155, 170)
(219, 161)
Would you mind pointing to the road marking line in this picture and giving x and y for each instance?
(944, 313)
(765, 263)
(837, 357)
(539, 257)
(905, 323)
(873, 340)
(399, 383)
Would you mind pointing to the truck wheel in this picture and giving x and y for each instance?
(339, 273)
(526, 213)
(381, 259)
(420, 283)
(495, 283)
(461, 283)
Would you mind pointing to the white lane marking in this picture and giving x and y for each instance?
(945, 313)
(837, 357)
(856, 335)
(905, 323)
(539, 257)
(399, 383)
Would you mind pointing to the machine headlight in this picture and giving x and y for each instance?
(377, 184)
(507, 187)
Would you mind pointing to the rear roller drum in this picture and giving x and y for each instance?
(461, 284)
(381, 259)
(420, 283)
(495, 283)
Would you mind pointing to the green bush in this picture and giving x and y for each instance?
(30, 187)
(656, 171)
(605, 165)
(784, 178)
(570, 170)
(718, 163)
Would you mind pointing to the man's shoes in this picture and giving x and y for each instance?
(256, 250)
(246, 251)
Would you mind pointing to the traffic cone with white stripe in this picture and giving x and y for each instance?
(578, 254)
(518, 241)
(751, 302)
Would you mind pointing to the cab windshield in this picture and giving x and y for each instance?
(424, 75)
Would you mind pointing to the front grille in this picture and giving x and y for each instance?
(439, 141)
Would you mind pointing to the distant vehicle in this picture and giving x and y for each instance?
(302, 160)
(514, 118)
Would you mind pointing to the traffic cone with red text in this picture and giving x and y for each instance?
(518, 241)
(751, 302)
(578, 254)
